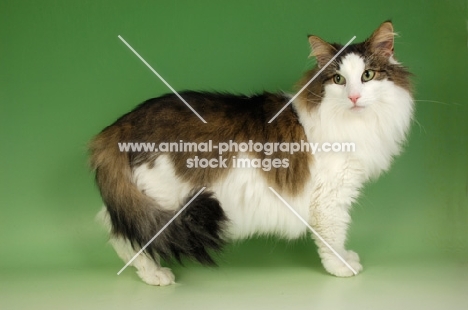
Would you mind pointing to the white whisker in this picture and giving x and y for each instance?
(421, 127)
(441, 102)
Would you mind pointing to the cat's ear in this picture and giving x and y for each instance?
(321, 50)
(381, 41)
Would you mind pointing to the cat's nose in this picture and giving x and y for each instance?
(354, 98)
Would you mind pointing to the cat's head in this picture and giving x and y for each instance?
(363, 77)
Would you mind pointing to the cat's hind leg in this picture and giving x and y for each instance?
(148, 268)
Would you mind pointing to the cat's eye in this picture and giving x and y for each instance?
(339, 79)
(368, 75)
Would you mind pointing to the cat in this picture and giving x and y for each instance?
(364, 96)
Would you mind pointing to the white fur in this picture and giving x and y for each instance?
(377, 127)
(161, 183)
(244, 196)
(253, 209)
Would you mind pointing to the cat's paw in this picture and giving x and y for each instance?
(161, 276)
(336, 267)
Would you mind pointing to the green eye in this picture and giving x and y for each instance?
(368, 75)
(339, 79)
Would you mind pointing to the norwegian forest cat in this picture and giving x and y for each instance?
(362, 97)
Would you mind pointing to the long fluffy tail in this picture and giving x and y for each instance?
(138, 218)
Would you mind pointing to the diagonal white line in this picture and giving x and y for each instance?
(311, 80)
(162, 229)
(161, 78)
(314, 232)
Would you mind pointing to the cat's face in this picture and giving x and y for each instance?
(364, 78)
(358, 84)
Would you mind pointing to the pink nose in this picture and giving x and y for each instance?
(354, 98)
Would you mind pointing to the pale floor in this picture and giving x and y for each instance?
(414, 285)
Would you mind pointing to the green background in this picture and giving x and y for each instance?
(64, 75)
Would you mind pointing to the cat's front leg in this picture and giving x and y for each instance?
(330, 219)
(332, 229)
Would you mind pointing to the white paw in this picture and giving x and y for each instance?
(351, 256)
(162, 276)
(337, 268)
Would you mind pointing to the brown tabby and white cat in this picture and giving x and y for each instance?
(363, 96)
